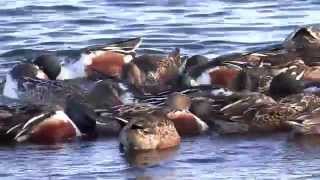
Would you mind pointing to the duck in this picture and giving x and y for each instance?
(27, 83)
(44, 124)
(304, 41)
(151, 74)
(151, 131)
(246, 111)
(221, 72)
(301, 45)
(100, 60)
(54, 122)
(305, 124)
(175, 106)
(261, 113)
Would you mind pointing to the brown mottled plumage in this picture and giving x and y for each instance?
(153, 74)
(149, 131)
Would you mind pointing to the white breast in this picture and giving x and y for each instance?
(76, 69)
(11, 87)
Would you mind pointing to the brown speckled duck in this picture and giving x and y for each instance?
(153, 74)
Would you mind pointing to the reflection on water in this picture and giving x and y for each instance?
(150, 158)
(205, 27)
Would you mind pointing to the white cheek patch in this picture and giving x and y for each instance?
(11, 87)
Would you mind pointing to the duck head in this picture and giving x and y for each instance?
(49, 64)
(285, 84)
(194, 68)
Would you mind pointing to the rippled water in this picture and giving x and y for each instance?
(206, 27)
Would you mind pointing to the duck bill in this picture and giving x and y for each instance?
(187, 123)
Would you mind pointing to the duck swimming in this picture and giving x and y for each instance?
(28, 83)
(107, 60)
(175, 106)
(152, 73)
(43, 124)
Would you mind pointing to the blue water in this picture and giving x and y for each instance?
(211, 28)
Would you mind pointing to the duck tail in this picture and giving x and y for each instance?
(128, 46)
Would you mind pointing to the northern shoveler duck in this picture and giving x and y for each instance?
(242, 112)
(221, 72)
(102, 59)
(290, 82)
(305, 42)
(177, 105)
(306, 123)
(22, 83)
(260, 113)
(174, 106)
(43, 124)
(152, 73)
(79, 108)
(302, 45)
(28, 83)
(149, 131)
